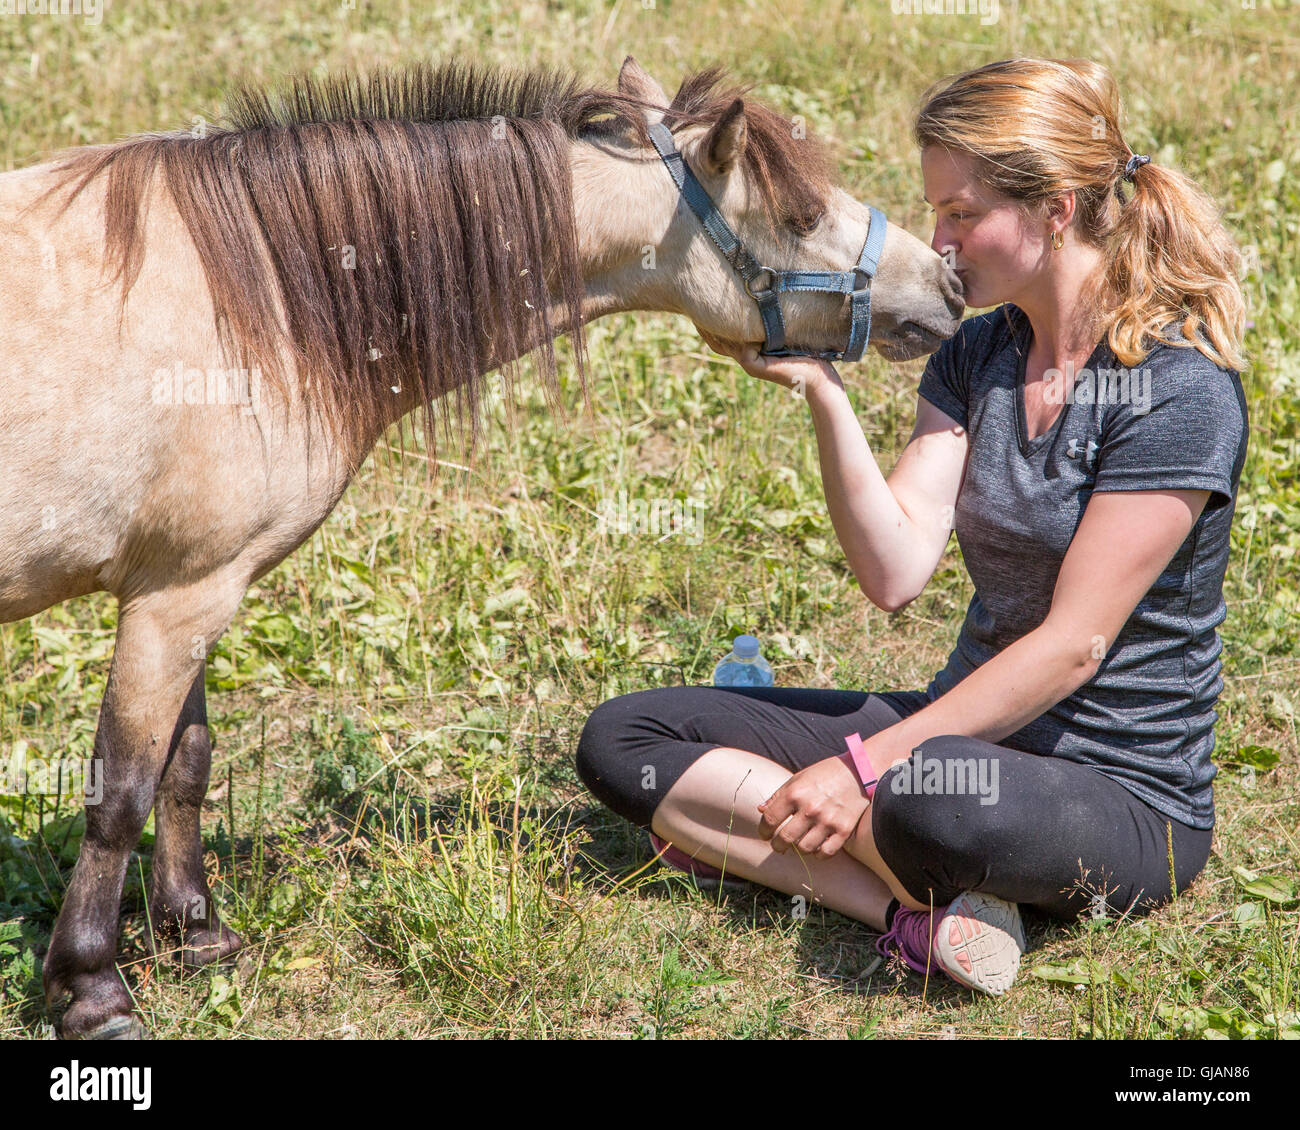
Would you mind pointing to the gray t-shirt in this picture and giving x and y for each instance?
(1175, 422)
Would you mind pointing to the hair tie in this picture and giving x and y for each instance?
(1134, 163)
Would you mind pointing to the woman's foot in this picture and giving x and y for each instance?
(977, 939)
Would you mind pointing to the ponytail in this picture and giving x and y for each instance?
(1169, 258)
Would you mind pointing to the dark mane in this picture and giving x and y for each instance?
(793, 173)
(449, 183)
(792, 170)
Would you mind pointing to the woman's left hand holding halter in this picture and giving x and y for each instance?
(800, 374)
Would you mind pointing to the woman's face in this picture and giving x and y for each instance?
(986, 237)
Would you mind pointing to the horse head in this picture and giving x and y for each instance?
(644, 246)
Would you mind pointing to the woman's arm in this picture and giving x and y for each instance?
(893, 532)
(1124, 542)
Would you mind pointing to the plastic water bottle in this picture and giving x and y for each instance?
(743, 667)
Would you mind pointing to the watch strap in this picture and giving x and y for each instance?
(861, 764)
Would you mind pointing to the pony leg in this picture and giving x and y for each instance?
(140, 727)
(180, 904)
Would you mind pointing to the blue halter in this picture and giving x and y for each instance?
(751, 271)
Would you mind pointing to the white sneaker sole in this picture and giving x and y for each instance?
(979, 942)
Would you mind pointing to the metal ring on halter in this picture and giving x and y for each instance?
(771, 281)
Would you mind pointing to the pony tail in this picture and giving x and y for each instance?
(1171, 259)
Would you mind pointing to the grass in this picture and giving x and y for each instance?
(394, 822)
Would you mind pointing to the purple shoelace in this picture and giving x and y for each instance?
(910, 937)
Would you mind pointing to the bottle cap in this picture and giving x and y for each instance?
(745, 647)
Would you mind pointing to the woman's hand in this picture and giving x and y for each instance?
(816, 810)
(800, 374)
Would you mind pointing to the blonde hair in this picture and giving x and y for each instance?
(1038, 128)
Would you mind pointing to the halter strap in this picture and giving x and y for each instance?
(777, 282)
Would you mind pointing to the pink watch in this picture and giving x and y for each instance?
(861, 765)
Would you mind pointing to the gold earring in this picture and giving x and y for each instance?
(1058, 241)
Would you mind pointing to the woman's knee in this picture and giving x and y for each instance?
(944, 797)
(621, 726)
(600, 740)
(621, 752)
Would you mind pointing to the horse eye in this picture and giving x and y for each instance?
(806, 225)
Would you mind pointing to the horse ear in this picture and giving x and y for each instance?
(635, 81)
(724, 144)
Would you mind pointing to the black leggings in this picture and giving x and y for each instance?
(961, 814)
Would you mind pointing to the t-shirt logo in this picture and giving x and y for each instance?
(1085, 454)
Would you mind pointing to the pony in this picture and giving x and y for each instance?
(217, 326)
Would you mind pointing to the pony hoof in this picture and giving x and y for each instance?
(114, 1028)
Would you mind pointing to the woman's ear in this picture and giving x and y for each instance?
(1060, 210)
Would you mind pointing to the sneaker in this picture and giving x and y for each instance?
(977, 940)
(707, 878)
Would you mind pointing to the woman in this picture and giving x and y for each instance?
(1085, 439)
